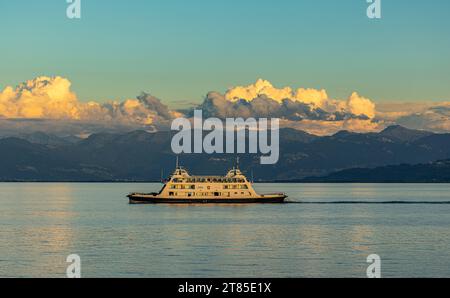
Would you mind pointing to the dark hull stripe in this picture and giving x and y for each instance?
(146, 200)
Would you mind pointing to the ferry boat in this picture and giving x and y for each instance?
(182, 188)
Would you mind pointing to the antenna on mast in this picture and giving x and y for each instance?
(178, 163)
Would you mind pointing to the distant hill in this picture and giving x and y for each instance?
(141, 156)
(434, 172)
(48, 139)
(403, 134)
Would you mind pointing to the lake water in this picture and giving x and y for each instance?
(328, 231)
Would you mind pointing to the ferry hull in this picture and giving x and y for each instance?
(141, 199)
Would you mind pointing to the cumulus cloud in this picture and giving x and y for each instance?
(315, 99)
(217, 105)
(431, 116)
(265, 88)
(40, 98)
(359, 105)
(312, 110)
(306, 109)
(435, 118)
(48, 104)
(51, 99)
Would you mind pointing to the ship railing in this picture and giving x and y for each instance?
(145, 194)
(274, 194)
(208, 180)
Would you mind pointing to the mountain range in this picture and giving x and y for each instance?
(144, 156)
(433, 172)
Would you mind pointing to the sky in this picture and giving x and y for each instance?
(178, 50)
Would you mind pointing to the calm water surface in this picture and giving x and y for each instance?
(328, 231)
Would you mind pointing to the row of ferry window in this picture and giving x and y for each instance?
(204, 180)
(206, 194)
(180, 186)
(240, 186)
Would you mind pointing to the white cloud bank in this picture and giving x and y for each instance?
(309, 109)
(49, 104)
(50, 98)
(355, 104)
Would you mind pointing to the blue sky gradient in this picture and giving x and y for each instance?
(178, 50)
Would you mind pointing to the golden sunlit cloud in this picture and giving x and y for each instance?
(355, 104)
(51, 98)
(48, 103)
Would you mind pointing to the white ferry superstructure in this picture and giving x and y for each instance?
(181, 188)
